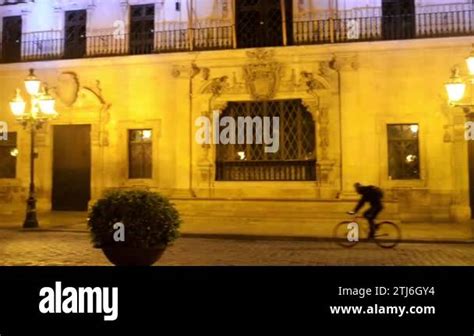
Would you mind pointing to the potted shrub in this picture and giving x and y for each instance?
(148, 221)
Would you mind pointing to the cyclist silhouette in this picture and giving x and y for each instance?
(373, 195)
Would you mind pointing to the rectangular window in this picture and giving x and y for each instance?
(295, 158)
(403, 151)
(8, 154)
(142, 29)
(398, 19)
(75, 41)
(140, 154)
(11, 39)
(259, 23)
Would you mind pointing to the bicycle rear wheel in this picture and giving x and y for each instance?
(388, 235)
(342, 233)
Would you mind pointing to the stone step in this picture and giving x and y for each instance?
(285, 227)
(274, 209)
(276, 220)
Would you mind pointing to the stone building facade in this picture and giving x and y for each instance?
(358, 87)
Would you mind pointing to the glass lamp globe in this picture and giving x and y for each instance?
(18, 105)
(32, 84)
(470, 62)
(47, 104)
(455, 88)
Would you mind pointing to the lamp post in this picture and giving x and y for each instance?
(457, 85)
(41, 109)
(456, 89)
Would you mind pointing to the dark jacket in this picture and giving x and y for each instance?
(370, 194)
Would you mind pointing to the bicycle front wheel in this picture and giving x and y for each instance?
(342, 234)
(388, 235)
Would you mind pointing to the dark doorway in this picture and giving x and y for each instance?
(11, 39)
(71, 168)
(260, 23)
(398, 19)
(142, 29)
(75, 42)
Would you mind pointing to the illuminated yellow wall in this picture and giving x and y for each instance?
(380, 83)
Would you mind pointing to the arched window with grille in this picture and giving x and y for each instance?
(295, 159)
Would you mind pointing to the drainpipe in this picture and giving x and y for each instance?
(194, 72)
(339, 88)
(283, 20)
(190, 24)
(234, 28)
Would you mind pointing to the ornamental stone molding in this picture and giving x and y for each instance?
(70, 93)
(323, 124)
(313, 83)
(216, 86)
(345, 62)
(264, 79)
(187, 71)
(262, 75)
(321, 112)
(67, 89)
(79, 103)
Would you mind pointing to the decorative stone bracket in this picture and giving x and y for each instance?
(263, 78)
(77, 102)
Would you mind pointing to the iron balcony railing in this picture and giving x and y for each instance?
(294, 170)
(426, 25)
(52, 45)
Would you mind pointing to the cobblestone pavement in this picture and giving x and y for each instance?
(74, 249)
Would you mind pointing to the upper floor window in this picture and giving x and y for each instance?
(11, 38)
(403, 151)
(14, 2)
(398, 19)
(8, 154)
(142, 29)
(75, 39)
(260, 23)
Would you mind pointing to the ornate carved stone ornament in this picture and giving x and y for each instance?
(345, 62)
(216, 86)
(68, 88)
(70, 93)
(313, 82)
(262, 76)
(189, 71)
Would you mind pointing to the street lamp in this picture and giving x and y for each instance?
(456, 86)
(42, 109)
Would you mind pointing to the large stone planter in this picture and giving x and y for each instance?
(131, 256)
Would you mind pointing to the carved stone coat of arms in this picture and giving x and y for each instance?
(262, 76)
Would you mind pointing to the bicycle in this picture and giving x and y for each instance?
(387, 234)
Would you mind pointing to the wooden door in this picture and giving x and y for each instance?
(71, 168)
